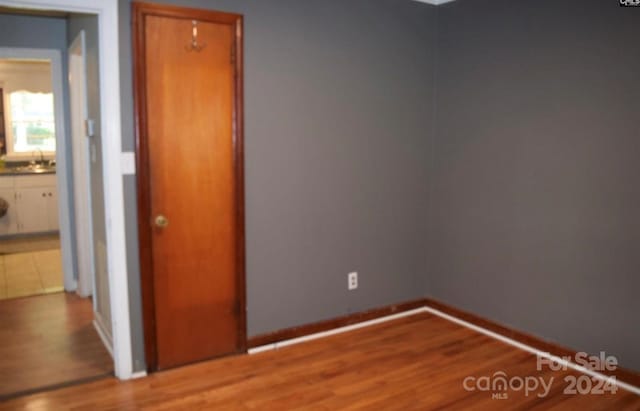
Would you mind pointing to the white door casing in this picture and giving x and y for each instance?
(81, 168)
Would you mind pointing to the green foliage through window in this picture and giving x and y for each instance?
(32, 122)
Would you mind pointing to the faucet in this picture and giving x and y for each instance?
(33, 161)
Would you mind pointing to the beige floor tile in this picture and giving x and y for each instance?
(21, 276)
(24, 283)
(31, 273)
(3, 278)
(49, 281)
(54, 253)
(48, 262)
(19, 263)
(50, 270)
(18, 260)
(50, 274)
(16, 277)
(48, 256)
(19, 270)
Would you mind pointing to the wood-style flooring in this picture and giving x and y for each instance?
(48, 341)
(414, 363)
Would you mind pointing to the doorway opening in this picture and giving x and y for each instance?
(114, 251)
(56, 315)
(30, 250)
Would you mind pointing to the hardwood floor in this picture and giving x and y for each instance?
(47, 341)
(414, 363)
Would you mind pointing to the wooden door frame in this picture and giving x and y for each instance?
(139, 11)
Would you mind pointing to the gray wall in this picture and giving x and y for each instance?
(129, 187)
(33, 32)
(338, 107)
(47, 33)
(523, 210)
(536, 198)
(89, 23)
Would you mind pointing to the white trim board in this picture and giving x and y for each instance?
(315, 336)
(103, 334)
(488, 333)
(107, 12)
(139, 374)
(81, 169)
(532, 350)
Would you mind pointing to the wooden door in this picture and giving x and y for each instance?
(188, 98)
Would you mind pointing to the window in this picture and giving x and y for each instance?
(31, 123)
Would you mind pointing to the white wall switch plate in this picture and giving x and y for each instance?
(128, 162)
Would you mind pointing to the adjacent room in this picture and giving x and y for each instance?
(52, 286)
(326, 204)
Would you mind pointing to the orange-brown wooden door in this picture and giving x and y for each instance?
(189, 130)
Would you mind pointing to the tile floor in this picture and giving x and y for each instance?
(32, 273)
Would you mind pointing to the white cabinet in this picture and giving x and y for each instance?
(33, 212)
(33, 207)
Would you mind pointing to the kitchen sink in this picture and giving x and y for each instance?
(39, 168)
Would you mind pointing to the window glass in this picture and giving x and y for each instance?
(32, 122)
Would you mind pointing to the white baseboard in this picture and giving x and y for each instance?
(499, 337)
(103, 333)
(339, 330)
(139, 374)
(70, 286)
(532, 350)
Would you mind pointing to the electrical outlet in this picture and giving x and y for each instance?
(352, 281)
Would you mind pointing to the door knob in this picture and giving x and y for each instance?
(161, 221)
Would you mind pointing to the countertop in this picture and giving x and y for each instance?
(26, 171)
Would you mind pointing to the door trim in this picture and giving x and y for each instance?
(81, 172)
(139, 12)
